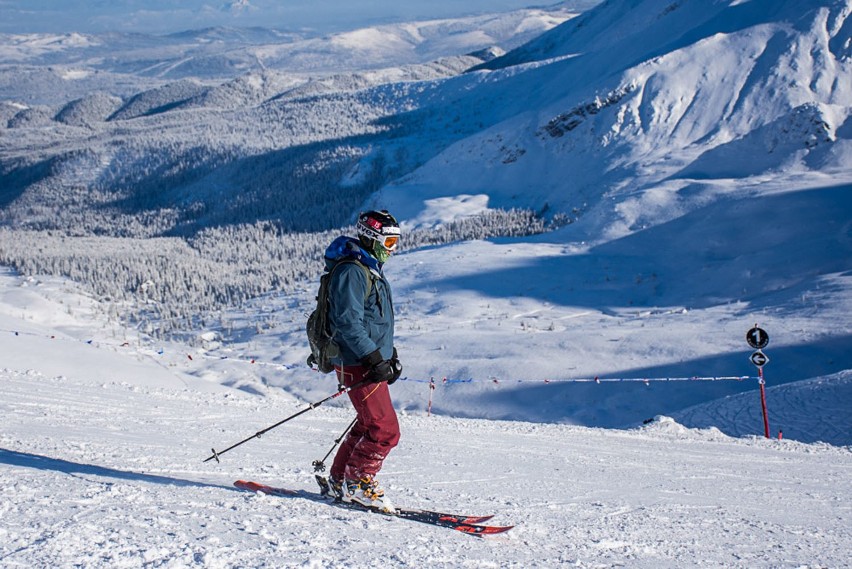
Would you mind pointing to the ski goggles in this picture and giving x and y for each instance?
(390, 242)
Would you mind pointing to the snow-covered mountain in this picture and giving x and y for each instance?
(166, 17)
(226, 132)
(589, 381)
(653, 108)
(700, 150)
(222, 53)
(641, 106)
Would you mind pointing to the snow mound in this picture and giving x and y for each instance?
(8, 110)
(247, 90)
(31, 117)
(666, 427)
(89, 110)
(159, 100)
(810, 411)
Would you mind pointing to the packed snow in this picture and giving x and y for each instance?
(590, 386)
(105, 433)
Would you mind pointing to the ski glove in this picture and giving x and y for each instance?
(397, 367)
(378, 370)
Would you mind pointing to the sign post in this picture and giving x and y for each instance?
(758, 339)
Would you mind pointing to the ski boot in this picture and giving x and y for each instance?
(367, 492)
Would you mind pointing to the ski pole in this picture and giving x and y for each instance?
(341, 390)
(319, 465)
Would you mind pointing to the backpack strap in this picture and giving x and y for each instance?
(371, 278)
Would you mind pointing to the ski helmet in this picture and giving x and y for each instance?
(379, 233)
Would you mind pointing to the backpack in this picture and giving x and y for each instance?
(323, 347)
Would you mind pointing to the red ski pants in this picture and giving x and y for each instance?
(376, 429)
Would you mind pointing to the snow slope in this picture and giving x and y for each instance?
(698, 210)
(644, 111)
(103, 439)
(814, 409)
(687, 233)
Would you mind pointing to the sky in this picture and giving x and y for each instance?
(163, 16)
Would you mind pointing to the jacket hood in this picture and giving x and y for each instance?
(350, 248)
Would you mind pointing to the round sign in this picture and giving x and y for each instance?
(757, 338)
(759, 359)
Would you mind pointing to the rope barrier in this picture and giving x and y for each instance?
(158, 351)
(444, 381)
(583, 379)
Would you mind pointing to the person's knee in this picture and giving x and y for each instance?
(386, 434)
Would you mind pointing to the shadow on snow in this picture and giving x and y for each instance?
(38, 462)
(757, 250)
(628, 404)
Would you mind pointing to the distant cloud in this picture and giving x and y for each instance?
(239, 6)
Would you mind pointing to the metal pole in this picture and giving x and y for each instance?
(319, 465)
(258, 434)
(763, 402)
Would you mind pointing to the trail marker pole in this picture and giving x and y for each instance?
(758, 339)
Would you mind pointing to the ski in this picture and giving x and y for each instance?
(471, 525)
(255, 487)
(439, 516)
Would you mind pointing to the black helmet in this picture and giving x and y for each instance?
(379, 233)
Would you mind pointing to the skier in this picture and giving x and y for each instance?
(362, 324)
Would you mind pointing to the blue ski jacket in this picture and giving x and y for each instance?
(360, 323)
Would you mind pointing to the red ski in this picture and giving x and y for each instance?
(466, 524)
